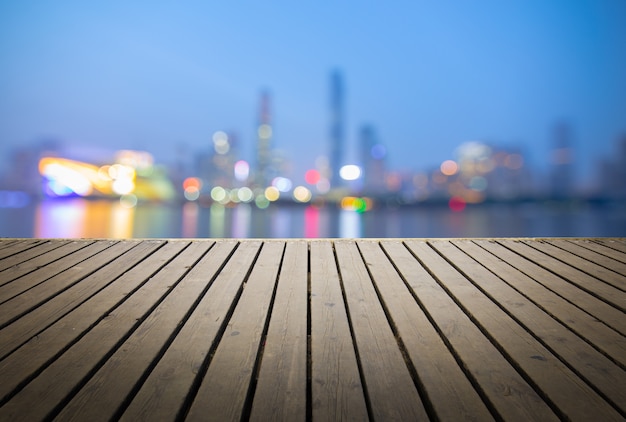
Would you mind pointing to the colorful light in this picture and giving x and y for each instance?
(449, 167)
(457, 204)
(312, 177)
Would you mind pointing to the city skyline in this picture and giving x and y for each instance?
(165, 78)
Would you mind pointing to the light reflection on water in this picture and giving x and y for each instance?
(81, 218)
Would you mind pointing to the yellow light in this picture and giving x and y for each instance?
(302, 194)
(272, 193)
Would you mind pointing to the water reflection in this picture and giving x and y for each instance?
(79, 218)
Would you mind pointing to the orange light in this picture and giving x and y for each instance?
(449, 168)
(192, 183)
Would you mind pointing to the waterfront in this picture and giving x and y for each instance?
(80, 218)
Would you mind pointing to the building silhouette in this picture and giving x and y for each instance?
(337, 130)
(562, 162)
(373, 156)
(264, 141)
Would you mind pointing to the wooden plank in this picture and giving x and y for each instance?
(602, 247)
(584, 260)
(616, 244)
(585, 361)
(16, 263)
(35, 271)
(449, 391)
(224, 389)
(10, 248)
(601, 310)
(281, 391)
(5, 243)
(96, 256)
(506, 391)
(605, 292)
(105, 394)
(48, 343)
(390, 388)
(62, 377)
(560, 386)
(336, 388)
(35, 256)
(117, 260)
(601, 336)
(164, 392)
(599, 255)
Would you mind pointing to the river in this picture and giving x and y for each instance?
(80, 218)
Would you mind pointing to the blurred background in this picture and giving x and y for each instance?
(318, 119)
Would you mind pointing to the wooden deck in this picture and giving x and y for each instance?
(398, 329)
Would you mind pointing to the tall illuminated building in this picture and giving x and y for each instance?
(337, 141)
(264, 139)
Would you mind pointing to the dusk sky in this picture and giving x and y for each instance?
(429, 76)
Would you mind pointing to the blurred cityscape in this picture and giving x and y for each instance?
(478, 173)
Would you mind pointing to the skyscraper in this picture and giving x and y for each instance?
(373, 155)
(264, 138)
(337, 141)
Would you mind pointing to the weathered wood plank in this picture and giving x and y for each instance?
(389, 385)
(13, 247)
(616, 244)
(505, 389)
(164, 393)
(601, 336)
(223, 391)
(5, 243)
(449, 391)
(43, 314)
(584, 260)
(35, 271)
(58, 380)
(104, 395)
(99, 256)
(607, 293)
(560, 386)
(595, 253)
(601, 310)
(281, 391)
(589, 364)
(32, 256)
(164, 330)
(336, 388)
(601, 247)
(50, 342)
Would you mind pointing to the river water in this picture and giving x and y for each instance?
(80, 218)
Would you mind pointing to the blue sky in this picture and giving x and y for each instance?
(428, 75)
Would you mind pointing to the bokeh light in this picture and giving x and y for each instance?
(302, 194)
(449, 167)
(350, 172)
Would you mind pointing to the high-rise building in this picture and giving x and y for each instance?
(373, 155)
(264, 138)
(337, 141)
